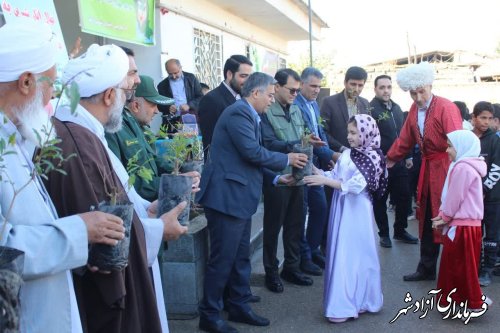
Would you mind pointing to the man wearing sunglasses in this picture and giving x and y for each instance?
(282, 127)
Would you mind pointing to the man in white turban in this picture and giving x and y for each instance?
(51, 245)
(430, 119)
(116, 301)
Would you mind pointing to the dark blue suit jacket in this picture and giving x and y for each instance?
(324, 154)
(232, 179)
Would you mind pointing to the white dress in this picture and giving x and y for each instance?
(352, 272)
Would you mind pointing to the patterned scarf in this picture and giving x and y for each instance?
(368, 158)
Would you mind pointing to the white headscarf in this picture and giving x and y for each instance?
(25, 48)
(98, 69)
(467, 145)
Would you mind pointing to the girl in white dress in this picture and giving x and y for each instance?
(352, 272)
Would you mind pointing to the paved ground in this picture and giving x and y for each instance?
(299, 309)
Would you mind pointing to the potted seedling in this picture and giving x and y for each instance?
(175, 188)
(194, 161)
(108, 257)
(12, 260)
(303, 147)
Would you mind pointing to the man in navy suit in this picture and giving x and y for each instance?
(237, 69)
(312, 261)
(231, 188)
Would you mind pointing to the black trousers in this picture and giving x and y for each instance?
(283, 206)
(429, 251)
(399, 189)
(491, 224)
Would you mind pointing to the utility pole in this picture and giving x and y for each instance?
(409, 49)
(310, 35)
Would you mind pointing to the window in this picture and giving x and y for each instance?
(208, 57)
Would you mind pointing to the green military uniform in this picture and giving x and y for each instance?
(125, 144)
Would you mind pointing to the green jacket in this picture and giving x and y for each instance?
(280, 133)
(126, 143)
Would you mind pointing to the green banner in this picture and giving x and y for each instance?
(130, 21)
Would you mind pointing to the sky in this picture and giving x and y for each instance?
(367, 31)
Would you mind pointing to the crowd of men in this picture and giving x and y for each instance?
(249, 124)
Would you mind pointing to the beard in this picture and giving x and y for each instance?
(114, 123)
(34, 122)
(234, 85)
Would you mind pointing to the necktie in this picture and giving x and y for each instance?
(258, 133)
(313, 119)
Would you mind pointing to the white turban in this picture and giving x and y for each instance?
(98, 69)
(25, 48)
(415, 76)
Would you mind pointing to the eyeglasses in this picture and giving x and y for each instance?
(293, 91)
(129, 92)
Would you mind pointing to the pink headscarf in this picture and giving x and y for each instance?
(368, 158)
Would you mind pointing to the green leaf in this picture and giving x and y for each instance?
(12, 139)
(145, 174)
(38, 137)
(131, 181)
(74, 96)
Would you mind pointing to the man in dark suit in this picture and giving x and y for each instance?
(315, 203)
(183, 87)
(390, 119)
(230, 192)
(337, 109)
(237, 69)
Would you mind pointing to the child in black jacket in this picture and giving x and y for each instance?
(490, 150)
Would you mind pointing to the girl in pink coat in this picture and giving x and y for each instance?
(460, 217)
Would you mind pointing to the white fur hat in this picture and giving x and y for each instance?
(415, 76)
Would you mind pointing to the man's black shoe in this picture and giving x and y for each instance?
(319, 260)
(296, 278)
(274, 284)
(405, 237)
(418, 276)
(308, 267)
(250, 318)
(385, 241)
(219, 326)
(254, 299)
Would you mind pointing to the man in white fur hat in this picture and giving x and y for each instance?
(430, 119)
(51, 245)
(116, 301)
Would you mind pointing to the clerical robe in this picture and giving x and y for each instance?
(441, 118)
(122, 301)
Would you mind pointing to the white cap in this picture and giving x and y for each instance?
(98, 69)
(25, 48)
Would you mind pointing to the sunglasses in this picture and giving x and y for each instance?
(293, 91)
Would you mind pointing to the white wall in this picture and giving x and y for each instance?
(232, 45)
(177, 40)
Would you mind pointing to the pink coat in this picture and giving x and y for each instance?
(464, 199)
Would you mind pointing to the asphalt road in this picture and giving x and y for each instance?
(299, 309)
